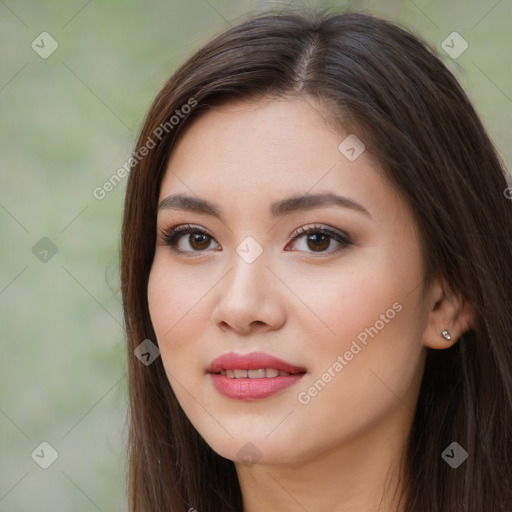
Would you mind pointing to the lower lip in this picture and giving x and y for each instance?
(252, 389)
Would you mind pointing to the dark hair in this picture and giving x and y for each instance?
(390, 88)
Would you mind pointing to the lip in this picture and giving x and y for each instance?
(247, 388)
(252, 361)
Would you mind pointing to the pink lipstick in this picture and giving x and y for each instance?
(252, 376)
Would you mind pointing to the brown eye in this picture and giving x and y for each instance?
(318, 242)
(198, 240)
(318, 239)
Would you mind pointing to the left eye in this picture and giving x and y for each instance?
(317, 239)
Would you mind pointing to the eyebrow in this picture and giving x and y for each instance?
(277, 209)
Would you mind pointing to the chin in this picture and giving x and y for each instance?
(254, 450)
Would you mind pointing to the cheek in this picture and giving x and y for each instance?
(176, 303)
(367, 372)
(351, 301)
(366, 331)
(174, 297)
(175, 300)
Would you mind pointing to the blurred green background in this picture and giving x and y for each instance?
(69, 121)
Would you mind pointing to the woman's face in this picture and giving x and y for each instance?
(340, 307)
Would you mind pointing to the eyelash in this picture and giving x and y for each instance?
(171, 237)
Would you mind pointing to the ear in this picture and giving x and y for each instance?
(449, 311)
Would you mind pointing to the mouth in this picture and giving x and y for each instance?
(252, 376)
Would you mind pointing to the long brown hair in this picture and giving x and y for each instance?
(387, 84)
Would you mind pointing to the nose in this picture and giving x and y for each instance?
(249, 299)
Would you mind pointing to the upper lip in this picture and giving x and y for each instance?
(252, 361)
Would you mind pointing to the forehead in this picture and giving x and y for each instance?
(270, 132)
(245, 152)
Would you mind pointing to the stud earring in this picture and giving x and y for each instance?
(446, 335)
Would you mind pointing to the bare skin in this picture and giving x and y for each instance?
(336, 446)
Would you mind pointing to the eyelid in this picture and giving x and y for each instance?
(318, 227)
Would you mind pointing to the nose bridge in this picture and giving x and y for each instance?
(245, 296)
(248, 269)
